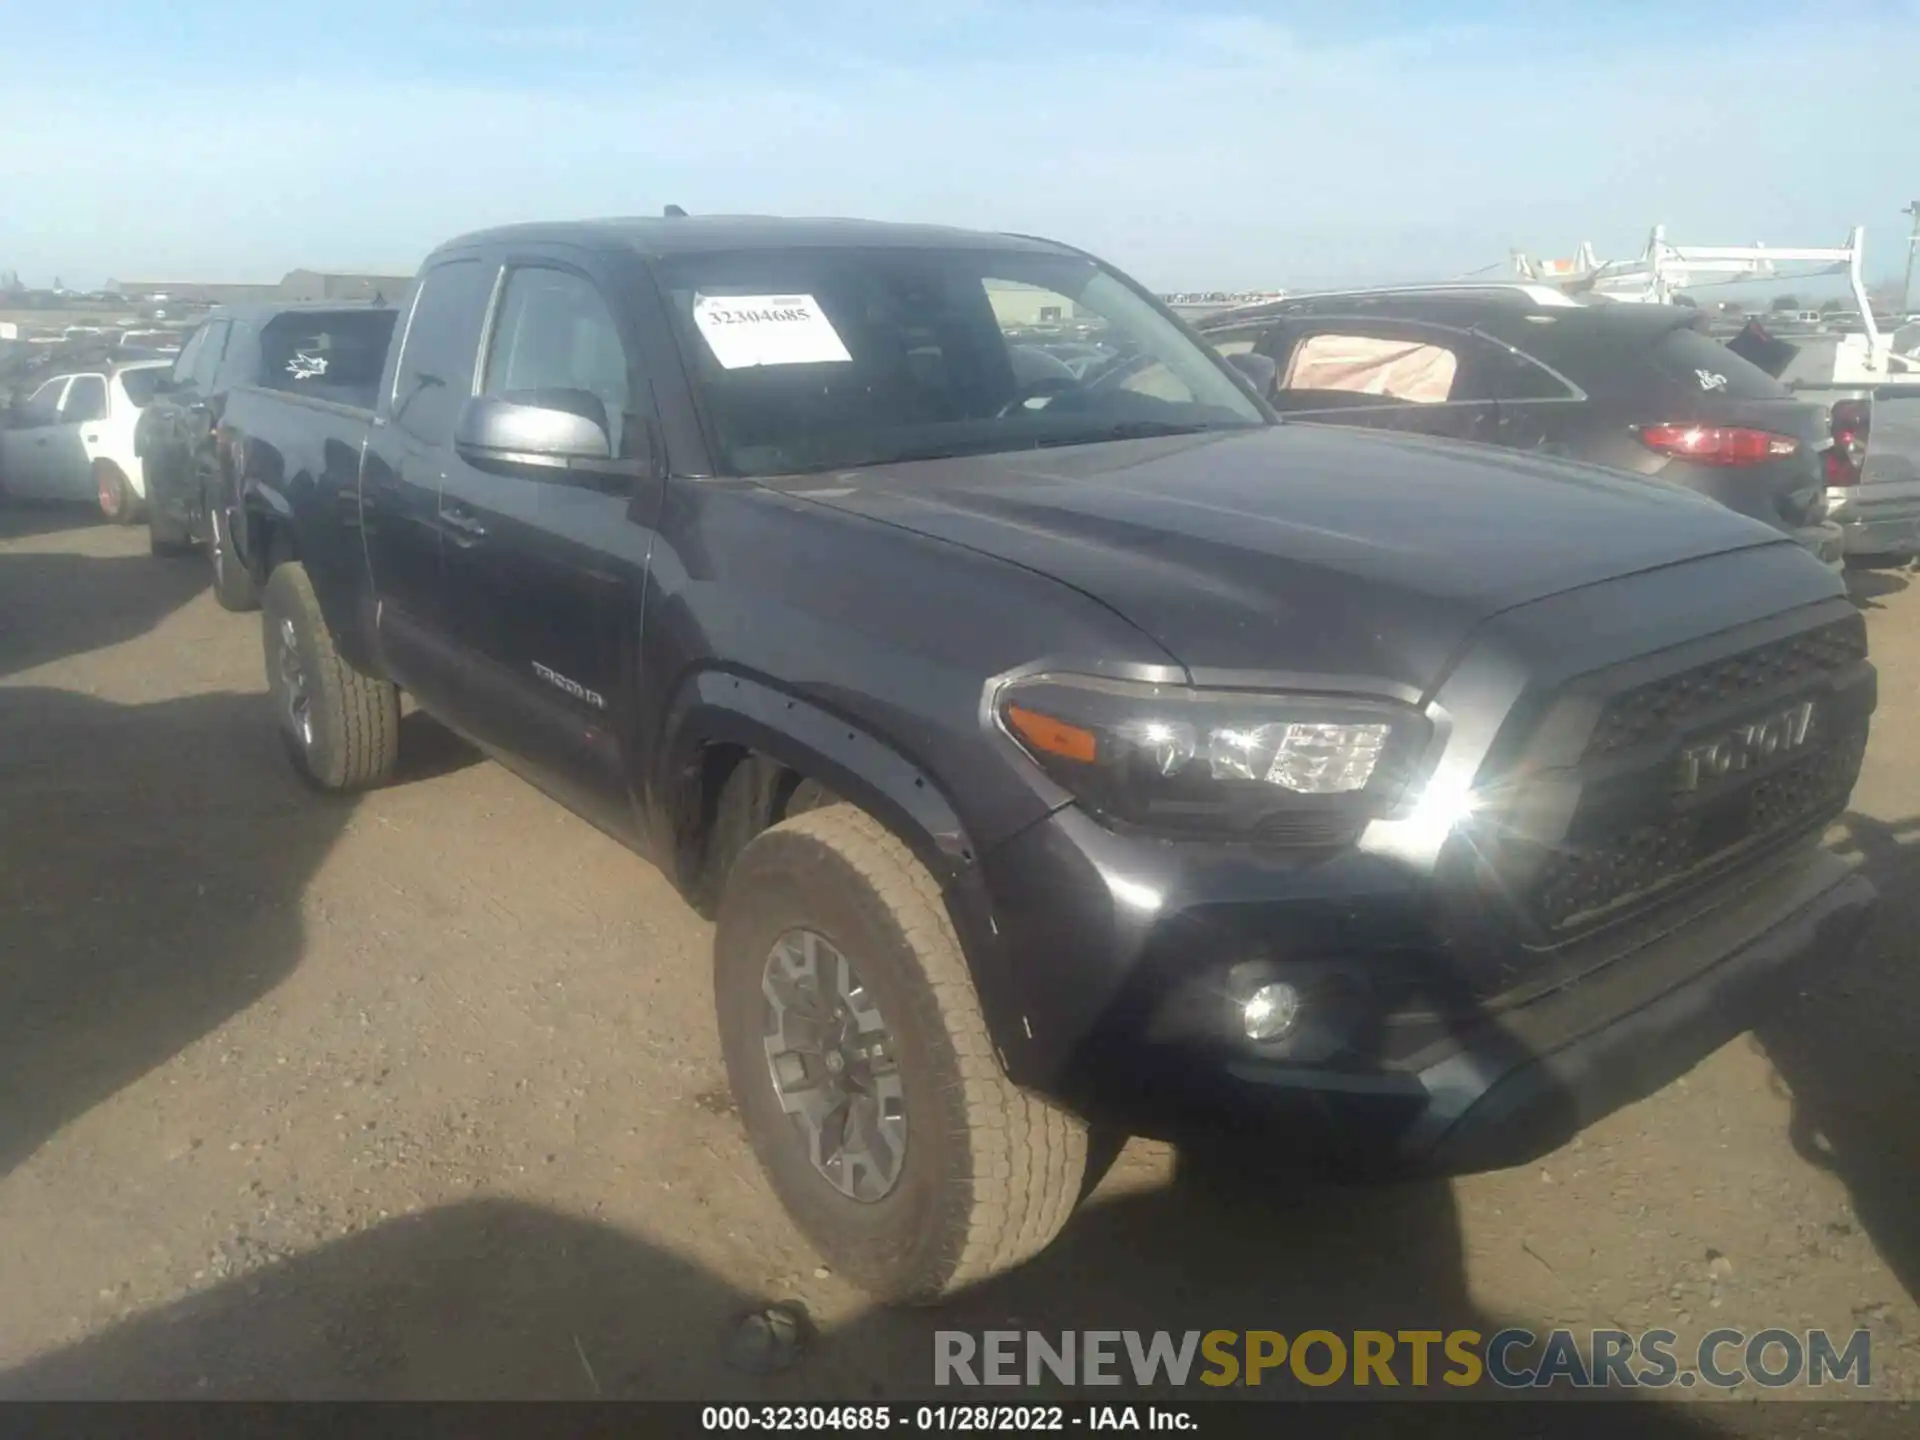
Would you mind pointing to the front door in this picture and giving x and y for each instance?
(83, 411)
(24, 446)
(406, 461)
(545, 569)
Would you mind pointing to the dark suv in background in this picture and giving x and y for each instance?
(1640, 388)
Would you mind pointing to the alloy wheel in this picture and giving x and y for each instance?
(296, 703)
(834, 1066)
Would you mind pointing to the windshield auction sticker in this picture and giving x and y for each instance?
(748, 330)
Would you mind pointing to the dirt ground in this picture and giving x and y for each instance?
(419, 1095)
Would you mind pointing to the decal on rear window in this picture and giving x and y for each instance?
(1710, 380)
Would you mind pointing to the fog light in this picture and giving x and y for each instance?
(1271, 1011)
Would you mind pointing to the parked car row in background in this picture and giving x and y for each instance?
(1637, 388)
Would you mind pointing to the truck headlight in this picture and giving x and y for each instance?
(1225, 763)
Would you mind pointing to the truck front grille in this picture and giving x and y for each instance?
(1647, 785)
(1578, 888)
(1668, 706)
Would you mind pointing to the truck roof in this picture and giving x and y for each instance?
(662, 236)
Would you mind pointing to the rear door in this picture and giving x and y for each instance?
(545, 569)
(1383, 374)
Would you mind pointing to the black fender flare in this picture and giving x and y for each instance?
(720, 707)
(259, 503)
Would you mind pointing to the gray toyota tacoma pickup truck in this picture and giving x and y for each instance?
(1064, 745)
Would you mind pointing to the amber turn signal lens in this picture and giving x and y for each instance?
(1056, 737)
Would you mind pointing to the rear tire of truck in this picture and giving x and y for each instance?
(863, 1071)
(233, 585)
(341, 729)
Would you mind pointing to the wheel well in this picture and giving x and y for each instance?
(735, 793)
(269, 545)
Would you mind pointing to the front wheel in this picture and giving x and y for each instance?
(860, 1061)
(341, 729)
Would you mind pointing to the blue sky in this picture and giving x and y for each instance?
(1194, 142)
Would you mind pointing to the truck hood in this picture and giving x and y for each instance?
(1310, 550)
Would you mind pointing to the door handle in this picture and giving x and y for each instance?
(469, 526)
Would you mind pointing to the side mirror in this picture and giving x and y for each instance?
(1258, 368)
(551, 430)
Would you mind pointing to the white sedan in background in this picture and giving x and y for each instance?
(72, 439)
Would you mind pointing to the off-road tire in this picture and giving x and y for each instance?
(233, 584)
(991, 1172)
(355, 718)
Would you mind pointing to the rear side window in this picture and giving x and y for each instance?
(1412, 371)
(435, 376)
(1513, 376)
(1690, 360)
(86, 400)
(329, 355)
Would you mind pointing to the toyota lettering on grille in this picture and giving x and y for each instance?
(1705, 761)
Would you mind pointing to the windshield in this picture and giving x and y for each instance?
(142, 385)
(825, 359)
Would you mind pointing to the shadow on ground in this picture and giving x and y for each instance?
(429, 750)
(1850, 1054)
(494, 1299)
(20, 519)
(152, 860)
(1867, 587)
(55, 603)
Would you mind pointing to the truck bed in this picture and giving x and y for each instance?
(295, 458)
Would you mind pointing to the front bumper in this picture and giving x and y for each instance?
(1519, 1090)
(1487, 1085)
